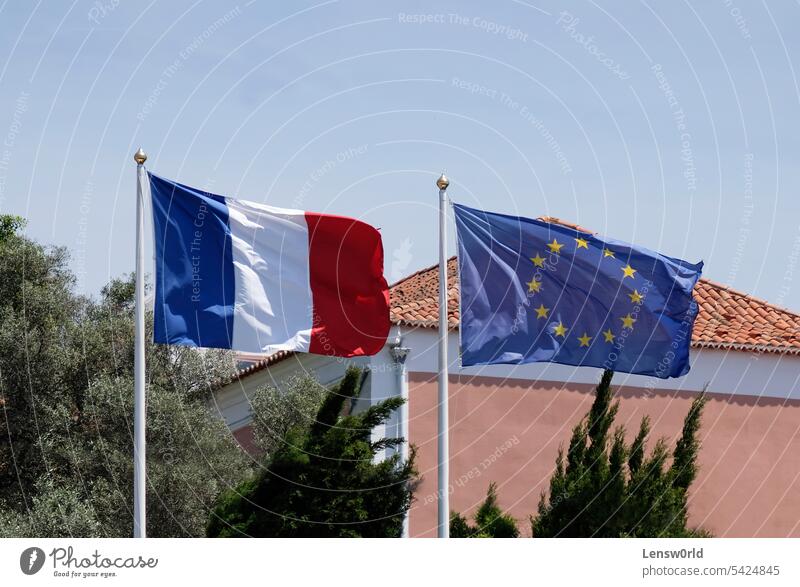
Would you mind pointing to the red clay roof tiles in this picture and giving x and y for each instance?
(727, 318)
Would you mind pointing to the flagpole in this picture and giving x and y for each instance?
(443, 444)
(139, 507)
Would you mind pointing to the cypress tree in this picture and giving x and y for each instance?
(324, 480)
(490, 520)
(609, 488)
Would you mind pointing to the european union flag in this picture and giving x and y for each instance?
(534, 291)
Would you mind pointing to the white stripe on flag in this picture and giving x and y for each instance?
(271, 268)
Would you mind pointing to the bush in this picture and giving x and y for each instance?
(323, 480)
(617, 490)
(490, 520)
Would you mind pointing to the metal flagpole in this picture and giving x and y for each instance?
(139, 507)
(444, 449)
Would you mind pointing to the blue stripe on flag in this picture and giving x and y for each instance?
(195, 285)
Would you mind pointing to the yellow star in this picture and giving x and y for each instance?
(584, 339)
(534, 285)
(636, 297)
(560, 330)
(582, 243)
(538, 261)
(607, 253)
(555, 246)
(541, 311)
(608, 335)
(628, 271)
(627, 321)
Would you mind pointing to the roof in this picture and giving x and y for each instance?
(727, 319)
(414, 300)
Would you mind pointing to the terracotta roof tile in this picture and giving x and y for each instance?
(255, 367)
(727, 319)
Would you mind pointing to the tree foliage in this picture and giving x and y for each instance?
(66, 396)
(9, 225)
(276, 412)
(604, 487)
(324, 480)
(490, 520)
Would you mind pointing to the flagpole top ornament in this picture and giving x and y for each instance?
(140, 157)
(442, 182)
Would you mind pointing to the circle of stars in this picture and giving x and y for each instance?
(560, 329)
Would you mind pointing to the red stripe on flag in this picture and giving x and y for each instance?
(350, 294)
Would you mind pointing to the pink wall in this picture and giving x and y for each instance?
(244, 436)
(508, 431)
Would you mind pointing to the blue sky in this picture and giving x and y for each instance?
(671, 125)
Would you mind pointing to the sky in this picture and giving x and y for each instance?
(673, 125)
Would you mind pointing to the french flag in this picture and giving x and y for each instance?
(250, 277)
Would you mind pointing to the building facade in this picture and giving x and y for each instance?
(507, 422)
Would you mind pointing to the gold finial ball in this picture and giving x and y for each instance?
(442, 182)
(140, 156)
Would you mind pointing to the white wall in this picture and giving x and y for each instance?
(232, 402)
(728, 372)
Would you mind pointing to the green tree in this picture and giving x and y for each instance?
(323, 480)
(490, 520)
(607, 488)
(66, 390)
(276, 412)
(9, 225)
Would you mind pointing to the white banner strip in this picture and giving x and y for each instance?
(398, 562)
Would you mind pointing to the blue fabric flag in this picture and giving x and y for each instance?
(534, 291)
